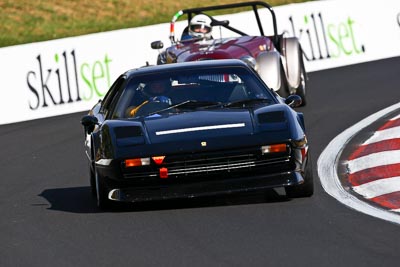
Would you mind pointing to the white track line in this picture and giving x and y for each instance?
(327, 169)
(378, 187)
(395, 118)
(382, 135)
(374, 160)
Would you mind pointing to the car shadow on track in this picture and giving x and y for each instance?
(72, 199)
(80, 200)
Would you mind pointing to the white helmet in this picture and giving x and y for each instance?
(200, 26)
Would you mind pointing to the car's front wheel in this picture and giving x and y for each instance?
(283, 91)
(93, 189)
(305, 189)
(301, 90)
(101, 192)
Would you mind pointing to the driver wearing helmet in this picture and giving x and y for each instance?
(155, 92)
(200, 27)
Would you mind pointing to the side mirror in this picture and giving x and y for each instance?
(157, 45)
(89, 122)
(293, 101)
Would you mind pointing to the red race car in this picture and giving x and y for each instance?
(209, 35)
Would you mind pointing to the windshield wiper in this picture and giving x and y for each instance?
(244, 102)
(189, 104)
(195, 104)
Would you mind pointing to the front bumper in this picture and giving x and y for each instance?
(204, 188)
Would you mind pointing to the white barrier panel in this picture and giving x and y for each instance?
(339, 33)
(70, 75)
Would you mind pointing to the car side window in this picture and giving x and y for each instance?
(112, 95)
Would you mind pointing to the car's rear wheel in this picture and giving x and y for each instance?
(305, 189)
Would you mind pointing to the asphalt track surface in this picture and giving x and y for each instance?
(48, 217)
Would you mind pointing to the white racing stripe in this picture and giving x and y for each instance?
(378, 187)
(373, 160)
(202, 128)
(396, 210)
(383, 135)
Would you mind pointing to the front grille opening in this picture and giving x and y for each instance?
(213, 165)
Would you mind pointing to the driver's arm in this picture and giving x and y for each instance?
(133, 112)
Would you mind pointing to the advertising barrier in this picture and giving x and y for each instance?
(71, 74)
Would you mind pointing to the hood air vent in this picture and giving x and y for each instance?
(271, 117)
(128, 131)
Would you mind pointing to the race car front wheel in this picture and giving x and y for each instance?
(301, 90)
(305, 189)
(93, 188)
(101, 192)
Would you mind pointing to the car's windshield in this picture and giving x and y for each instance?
(188, 90)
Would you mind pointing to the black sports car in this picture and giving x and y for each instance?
(194, 129)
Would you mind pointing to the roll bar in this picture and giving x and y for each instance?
(194, 11)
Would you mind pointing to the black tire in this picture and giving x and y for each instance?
(284, 89)
(92, 182)
(161, 59)
(305, 189)
(102, 200)
(301, 90)
(91, 171)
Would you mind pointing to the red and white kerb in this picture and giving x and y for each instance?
(374, 167)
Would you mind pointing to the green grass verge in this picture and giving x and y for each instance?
(26, 21)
